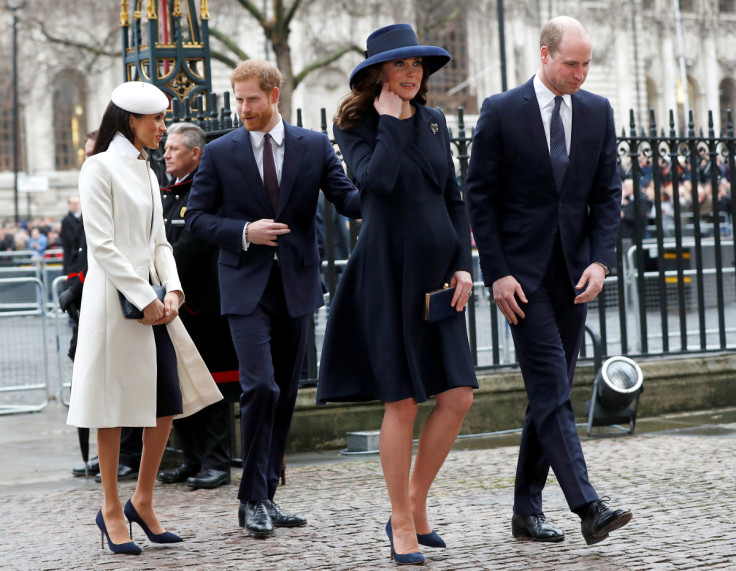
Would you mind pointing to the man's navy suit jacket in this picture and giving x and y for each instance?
(516, 210)
(228, 191)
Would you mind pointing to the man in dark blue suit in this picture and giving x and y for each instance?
(255, 195)
(544, 195)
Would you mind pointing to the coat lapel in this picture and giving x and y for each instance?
(537, 137)
(245, 164)
(293, 154)
(427, 131)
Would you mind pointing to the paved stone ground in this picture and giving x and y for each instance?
(680, 485)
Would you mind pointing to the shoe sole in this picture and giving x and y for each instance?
(613, 525)
(259, 534)
(522, 537)
(289, 524)
(209, 486)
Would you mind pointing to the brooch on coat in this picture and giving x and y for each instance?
(434, 126)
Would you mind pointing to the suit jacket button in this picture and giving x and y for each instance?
(554, 230)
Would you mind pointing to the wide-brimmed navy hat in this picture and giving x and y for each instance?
(398, 41)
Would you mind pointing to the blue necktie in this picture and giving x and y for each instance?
(557, 148)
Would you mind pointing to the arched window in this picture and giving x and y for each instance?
(727, 97)
(70, 119)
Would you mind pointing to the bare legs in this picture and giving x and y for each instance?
(154, 444)
(408, 496)
(108, 450)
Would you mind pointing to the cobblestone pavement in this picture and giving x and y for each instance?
(681, 486)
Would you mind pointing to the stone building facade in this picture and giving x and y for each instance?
(64, 87)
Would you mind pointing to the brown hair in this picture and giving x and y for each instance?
(365, 89)
(267, 74)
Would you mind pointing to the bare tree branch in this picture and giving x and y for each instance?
(255, 12)
(229, 44)
(327, 60)
(219, 56)
(291, 12)
(96, 50)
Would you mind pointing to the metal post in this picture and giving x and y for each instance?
(634, 15)
(16, 112)
(502, 42)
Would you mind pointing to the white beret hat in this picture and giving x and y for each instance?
(140, 97)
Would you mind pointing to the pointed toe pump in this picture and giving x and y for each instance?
(132, 515)
(415, 558)
(128, 548)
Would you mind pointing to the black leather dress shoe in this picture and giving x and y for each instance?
(600, 520)
(209, 479)
(253, 516)
(93, 468)
(281, 519)
(124, 473)
(177, 475)
(535, 527)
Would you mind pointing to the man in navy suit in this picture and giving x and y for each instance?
(544, 195)
(255, 195)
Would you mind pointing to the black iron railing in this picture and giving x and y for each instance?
(672, 290)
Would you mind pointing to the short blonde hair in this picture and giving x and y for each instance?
(267, 74)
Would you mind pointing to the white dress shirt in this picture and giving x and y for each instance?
(257, 141)
(546, 101)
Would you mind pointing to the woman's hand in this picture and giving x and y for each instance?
(388, 103)
(157, 313)
(463, 284)
(152, 313)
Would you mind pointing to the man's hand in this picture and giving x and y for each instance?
(594, 275)
(266, 232)
(505, 292)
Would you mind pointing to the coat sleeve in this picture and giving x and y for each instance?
(604, 200)
(336, 185)
(372, 156)
(95, 191)
(484, 195)
(456, 206)
(203, 216)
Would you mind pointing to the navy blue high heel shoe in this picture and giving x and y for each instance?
(403, 558)
(128, 548)
(431, 539)
(132, 515)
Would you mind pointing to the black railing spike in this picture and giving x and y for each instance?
(690, 124)
(175, 110)
(323, 120)
(460, 119)
(729, 123)
(227, 120)
(701, 132)
(299, 117)
(673, 134)
(632, 123)
(662, 135)
(652, 123)
(188, 109)
(643, 133)
(200, 112)
(214, 123)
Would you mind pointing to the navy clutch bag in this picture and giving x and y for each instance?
(437, 304)
(130, 311)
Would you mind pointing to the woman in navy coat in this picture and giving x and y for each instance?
(414, 238)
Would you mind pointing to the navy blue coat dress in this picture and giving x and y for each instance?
(415, 235)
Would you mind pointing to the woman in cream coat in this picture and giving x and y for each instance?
(125, 371)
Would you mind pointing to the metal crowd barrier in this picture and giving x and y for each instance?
(62, 335)
(22, 373)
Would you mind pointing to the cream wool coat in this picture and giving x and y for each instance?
(114, 377)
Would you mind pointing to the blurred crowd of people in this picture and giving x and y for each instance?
(39, 235)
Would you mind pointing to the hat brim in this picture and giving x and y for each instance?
(435, 58)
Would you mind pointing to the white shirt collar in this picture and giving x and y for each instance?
(123, 147)
(545, 97)
(277, 134)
